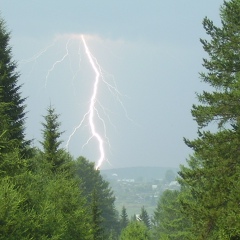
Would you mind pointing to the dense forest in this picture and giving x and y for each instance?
(48, 194)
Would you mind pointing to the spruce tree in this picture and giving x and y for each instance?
(145, 217)
(12, 115)
(52, 152)
(212, 174)
(123, 218)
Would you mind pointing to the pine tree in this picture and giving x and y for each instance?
(145, 217)
(51, 143)
(12, 104)
(123, 218)
(212, 175)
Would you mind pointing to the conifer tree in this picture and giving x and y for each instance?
(212, 175)
(97, 229)
(123, 218)
(169, 221)
(51, 143)
(12, 104)
(145, 217)
(91, 179)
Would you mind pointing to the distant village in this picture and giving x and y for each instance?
(133, 193)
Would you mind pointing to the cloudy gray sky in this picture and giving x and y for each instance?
(150, 50)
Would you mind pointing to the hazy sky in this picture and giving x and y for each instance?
(149, 49)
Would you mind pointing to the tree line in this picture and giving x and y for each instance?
(47, 194)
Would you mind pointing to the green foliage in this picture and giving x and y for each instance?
(145, 217)
(46, 206)
(92, 181)
(124, 221)
(135, 231)
(169, 221)
(221, 105)
(97, 229)
(37, 204)
(211, 179)
(51, 143)
(4, 144)
(12, 115)
(10, 210)
(11, 164)
(40, 194)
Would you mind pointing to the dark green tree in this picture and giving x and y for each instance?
(212, 175)
(47, 205)
(11, 161)
(12, 116)
(13, 147)
(97, 229)
(10, 210)
(123, 218)
(169, 220)
(145, 217)
(52, 153)
(91, 179)
(53, 207)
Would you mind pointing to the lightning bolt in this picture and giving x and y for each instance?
(92, 107)
(92, 114)
(38, 55)
(57, 62)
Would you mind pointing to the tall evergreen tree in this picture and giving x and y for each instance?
(52, 152)
(212, 175)
(12, 104)
(145, 217)
(123, 218)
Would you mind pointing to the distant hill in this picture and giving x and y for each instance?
(146, 173)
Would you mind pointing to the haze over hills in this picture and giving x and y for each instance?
(146, 173)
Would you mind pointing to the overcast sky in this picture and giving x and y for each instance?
(149, 49)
